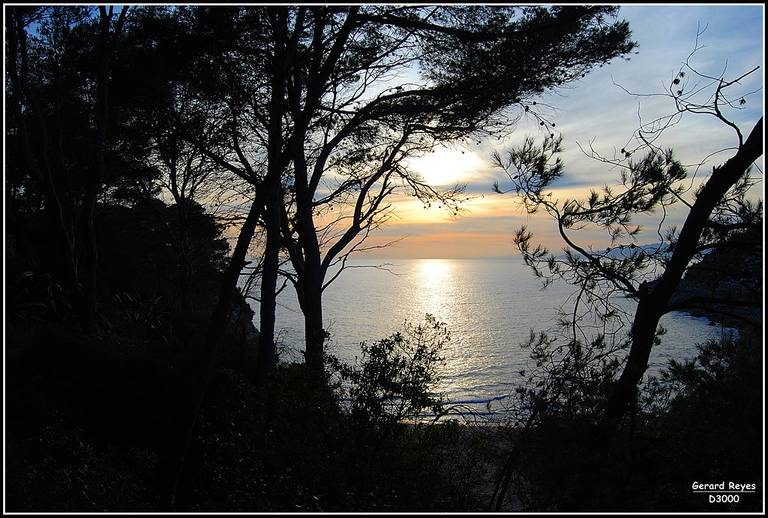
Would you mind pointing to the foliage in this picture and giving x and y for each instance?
(140, 249)
(395, 377)
(133, 107)
(567, 380)
(272, 466)
(33, 297)
(723, 370)
(111, 410)
(70, 472)
(307, 87)
(651, 180)
(698, 421)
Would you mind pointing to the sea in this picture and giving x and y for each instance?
(490, 306)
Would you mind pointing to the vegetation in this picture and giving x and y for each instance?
(396, 375)
(100, 443)
(623, 431)
(719, 214)
(700, 421)
(163, 160)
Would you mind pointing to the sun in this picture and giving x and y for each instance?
(447, 166)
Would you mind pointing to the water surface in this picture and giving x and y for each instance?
(489, 306)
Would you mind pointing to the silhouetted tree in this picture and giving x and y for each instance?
(59, 62)
(301, 97)
(352, 127)
(226, 56)
(717, 211)
(292, 94)
(232, 82)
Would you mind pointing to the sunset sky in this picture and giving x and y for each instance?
(594, 109)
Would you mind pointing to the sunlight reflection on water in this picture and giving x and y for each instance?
(489, 305)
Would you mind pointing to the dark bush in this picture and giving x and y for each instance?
(700, 421)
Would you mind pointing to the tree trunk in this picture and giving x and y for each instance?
(184, 253)
(652, 306)
(59, 214)
(229, 282)
(268, 291)
(90, 267)
(90, 249)
(184, 272)
(311, 272)
(273, 200)
(314, 332)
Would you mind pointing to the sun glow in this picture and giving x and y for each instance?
(434, 270)
(435, 285)
(446, 166)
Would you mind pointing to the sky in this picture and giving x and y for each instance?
(594, 111)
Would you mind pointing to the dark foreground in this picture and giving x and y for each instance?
(91, 423)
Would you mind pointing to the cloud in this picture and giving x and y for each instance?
(593, 110)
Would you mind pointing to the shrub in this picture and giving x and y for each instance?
(699, 421)
(395, 377)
